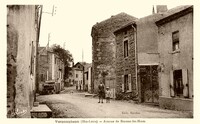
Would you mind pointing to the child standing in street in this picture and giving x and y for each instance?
(108, 95)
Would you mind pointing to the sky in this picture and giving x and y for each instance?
(72, 22)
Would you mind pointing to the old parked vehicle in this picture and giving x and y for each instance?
(48, 87)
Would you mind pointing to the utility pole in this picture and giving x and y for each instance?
(82, 55)
(153, 11)
(64, 45)
(83, 72)
(53, 11)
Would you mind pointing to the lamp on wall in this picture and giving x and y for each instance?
(161, 67)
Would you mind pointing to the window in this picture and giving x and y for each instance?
(32, 59)
(126, 83)
(42, 77)
(178, 83)
(60, 74)
(126, 48)
(175, 40)
(125, 32)
(87, 76)
(55, 60)
(76, 75)
(126, 88)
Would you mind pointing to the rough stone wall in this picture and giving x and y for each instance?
(103, 47)
(21, 32)
(178, 60)
(125, 66)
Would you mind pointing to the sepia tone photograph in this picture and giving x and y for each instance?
(128, 61)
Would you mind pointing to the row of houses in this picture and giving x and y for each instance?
(51, 68)
(148, 59)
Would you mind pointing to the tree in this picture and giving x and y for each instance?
(65, 56)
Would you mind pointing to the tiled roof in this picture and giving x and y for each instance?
(172, 12)
(176, 10)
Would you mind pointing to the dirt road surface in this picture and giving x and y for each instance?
(76, 105)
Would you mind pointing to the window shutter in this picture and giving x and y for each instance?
(185, 82)
(123, 49)
(129, 82)
(128, 47)
(122, 83)
(171, 84)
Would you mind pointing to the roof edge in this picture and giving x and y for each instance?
(174, 16)
(125, 26)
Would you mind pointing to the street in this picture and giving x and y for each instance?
(73, 104)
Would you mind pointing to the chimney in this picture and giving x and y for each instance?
(153, 11)
(161, 8)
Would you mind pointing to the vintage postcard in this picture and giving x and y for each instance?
(100, 61)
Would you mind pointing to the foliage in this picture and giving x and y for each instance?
(104, 73)
(126, 96)
(119, 96)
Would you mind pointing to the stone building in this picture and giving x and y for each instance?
(175, 45)
(137, 58)
(103, 50)
(50, 67)
(126, 72)
(23, 28)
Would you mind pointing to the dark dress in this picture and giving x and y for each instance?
(101, 90)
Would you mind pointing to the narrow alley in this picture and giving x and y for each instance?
(73, 104)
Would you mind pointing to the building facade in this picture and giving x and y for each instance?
(42, 65)
(88, 77)
(51, 67)
(23, 26)
(175, 45)
(104, 50)
(148, 56)
(137, 56)
(78, 74)
(126, 72)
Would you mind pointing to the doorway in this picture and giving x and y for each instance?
(149, 84)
